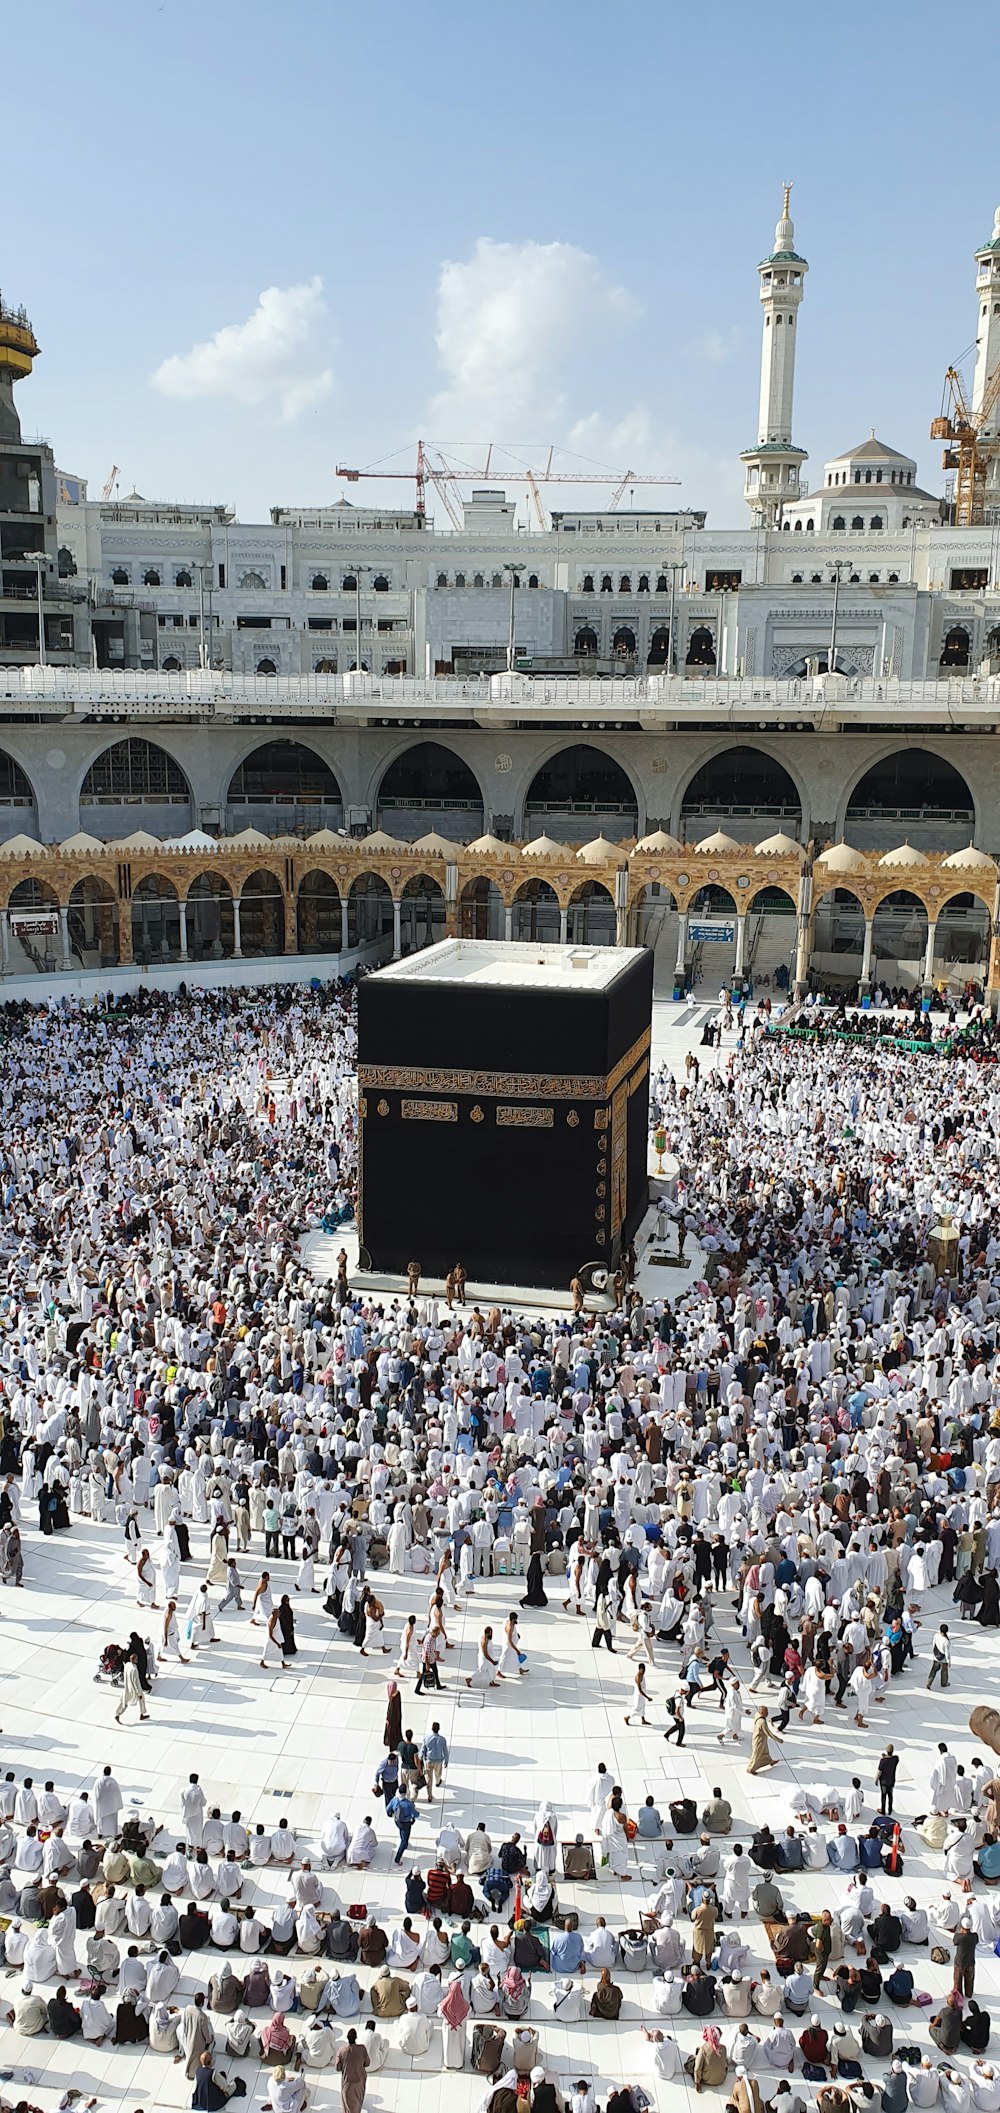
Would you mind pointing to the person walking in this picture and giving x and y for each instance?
(940, 1658)
(352, 2066)
(640, 1697)
(233, 1595)
(677, 1710)
(963, 1970)
(131, 1690)
(403, 1810)
(885, 1777)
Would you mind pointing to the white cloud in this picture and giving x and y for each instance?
(272, 359)
(509, 321)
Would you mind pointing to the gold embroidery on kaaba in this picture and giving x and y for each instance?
(383, 1107)
(525, 1118)
(635, 1083)
(475, 1115)
(429, 1111)
(601, 1118)
(619, 1171)
(572, 1118)
(506, 1085)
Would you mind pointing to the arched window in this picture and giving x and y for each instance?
(252, 580)
(442, 579)
(796, 579)
(857, 476)
(701, 651)
(151, 578)
(585, 643)
(171, 665)
(837, 524)
(798, 526)
(873, 579)
(460, 579)
(816, 579)
(893, 578)
(868, 476)
(810, 528)
(855, 579)
(319, 583)
(623, 643)
(625, 584)
(350, 585)
(643, 583)
(588, 583)
(134, 770)
(183, 578)
(606, 587)
(380, 584)
(478, 580)
(497, 580)
(857, 521)
(955, 651)
(532, 579)
(659, 648)
(325, 667)
(67, 563)
(878, 476)
(662, 584)
(876, 521)
(266, 667)
(119, 577)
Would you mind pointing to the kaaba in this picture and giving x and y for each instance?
(503, 1096)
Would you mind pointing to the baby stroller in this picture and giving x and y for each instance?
(111, 1664)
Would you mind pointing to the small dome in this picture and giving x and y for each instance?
(842, 858)
(968, 861)
(250, 840)
(778, 846)
(22, 847)
(140, 840)
(82, 842)
(491, 847)
(325, 840)
(658, 840)
(904, 855)
(545, 847)
(195, 840)
(438, 846)
(599, 851)
(719, 842)
(379, 840)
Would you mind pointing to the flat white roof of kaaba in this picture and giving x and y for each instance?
(515, 964)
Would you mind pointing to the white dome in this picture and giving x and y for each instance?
(491, 847)
(778, 846)
(719, 842)
(903, 855)
(23, 847)
(597, 852)
(658, 840)
(968, 861)
(545, 847)
(377, 841)
(842, 858)
(437, 846)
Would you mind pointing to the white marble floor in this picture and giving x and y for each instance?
(303, 1743)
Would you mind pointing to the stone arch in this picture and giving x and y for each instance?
(623, 644)
(262, 915)
(284, 784)
(586, 643)
(535, 912)
(590, 917)
(740, 782)
(578, 789)
(40, 950)
(429, 786)
(136, 784)
(701, 648)
(899, 936)
(911, 792)
(369, 910)
(422, 913)
(211, 926)
(962, 940)
(156, 920)
(18, 807)
(481, 909)
(956, 647)
(93, 922)
(318, 913)
(659, 647)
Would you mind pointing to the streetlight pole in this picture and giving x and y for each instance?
(832, 655)
(672, 641)
(513, 570)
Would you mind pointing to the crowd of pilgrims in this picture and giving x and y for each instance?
(769, 1480)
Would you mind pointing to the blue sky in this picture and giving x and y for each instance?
(528, 224)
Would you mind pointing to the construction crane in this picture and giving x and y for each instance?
(109, 482)
(968, 453)
(443, 475)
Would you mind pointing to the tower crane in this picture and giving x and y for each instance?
(969, 452)
(109, 482)
(444, 476)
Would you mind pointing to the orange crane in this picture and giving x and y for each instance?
(443, 474)
(968, 453)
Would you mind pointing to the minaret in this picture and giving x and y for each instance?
(18, 351)
(988, 325)
(772, 467)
